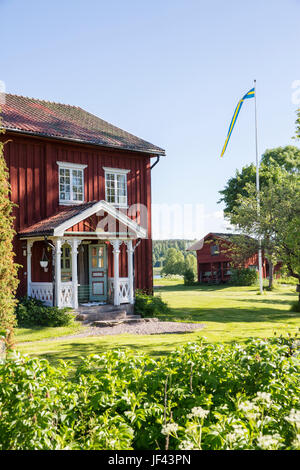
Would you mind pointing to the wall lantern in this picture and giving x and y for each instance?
(44, 261)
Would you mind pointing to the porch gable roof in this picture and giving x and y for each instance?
(59, 223)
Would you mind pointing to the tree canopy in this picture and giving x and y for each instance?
(273, 162)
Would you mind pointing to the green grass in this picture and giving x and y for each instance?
(233, 313)
(38, 333)
(228, 313)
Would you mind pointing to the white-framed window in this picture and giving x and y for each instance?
(116, 186)
(71, 183)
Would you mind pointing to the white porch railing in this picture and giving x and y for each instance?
(66, 295)
(42, 291)
(124, 290)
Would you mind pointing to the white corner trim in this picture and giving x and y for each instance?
(115, 170)
(76, 166)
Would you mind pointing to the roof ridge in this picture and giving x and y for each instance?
(44, 101)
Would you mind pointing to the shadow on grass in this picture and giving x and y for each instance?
(76, 350)
(259, 313)
(199, 287)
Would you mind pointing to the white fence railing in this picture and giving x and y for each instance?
(124, 290)
(42, 291)
(66, 294)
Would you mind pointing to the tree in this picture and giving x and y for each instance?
(273, 162)
(239, 195)
(174, 263)
(298, 125)
(277, 223)
(8, 269)
(190, 269)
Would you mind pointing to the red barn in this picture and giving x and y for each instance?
(214, 260)
(82, 189)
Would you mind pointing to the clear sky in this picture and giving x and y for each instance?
(169, 71)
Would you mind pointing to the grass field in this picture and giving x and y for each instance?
(228, 313)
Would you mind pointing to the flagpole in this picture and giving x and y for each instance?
(258, 197)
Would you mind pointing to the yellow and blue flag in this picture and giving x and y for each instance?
(250, 94)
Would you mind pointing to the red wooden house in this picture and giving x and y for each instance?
(82, 189)
(214, 260)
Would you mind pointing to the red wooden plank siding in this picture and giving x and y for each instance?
(34, 187)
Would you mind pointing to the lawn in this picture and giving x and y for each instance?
(228, 313)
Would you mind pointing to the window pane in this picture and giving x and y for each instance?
(115, 185)
(70, 184)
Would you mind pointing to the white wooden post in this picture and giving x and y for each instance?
(57, 243)
(29, 256)
(116, 251)
(74, 244)
(130, 251)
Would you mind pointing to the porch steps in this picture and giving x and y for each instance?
(130, 319)
(90, 314)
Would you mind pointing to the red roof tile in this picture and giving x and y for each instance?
(47, 119)
(46, 226)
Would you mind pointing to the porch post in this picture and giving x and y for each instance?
(29, 256)
(74, 244)
(116, 251)
(57, 244)
(130, 251)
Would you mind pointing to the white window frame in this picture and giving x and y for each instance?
(71, 166)
(116, 172)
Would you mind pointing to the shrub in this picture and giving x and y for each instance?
(189, 277)
(243, 277)
(149, 305)
(202, 396)
(295, 307)
(8, 269)
(33, 312)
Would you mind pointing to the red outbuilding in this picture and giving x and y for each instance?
(82, 189)
(214, 261)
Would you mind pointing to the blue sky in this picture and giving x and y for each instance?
(169, 71)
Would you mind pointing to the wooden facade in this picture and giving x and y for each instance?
(214, 261)
(33, 171)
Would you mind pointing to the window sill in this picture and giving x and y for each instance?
(70, 203)
(118, 206)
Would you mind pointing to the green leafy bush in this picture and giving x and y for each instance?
(295, 307)
(243, 277)
(33, 312)
(189, 277)
(202, 396)
(149, 305)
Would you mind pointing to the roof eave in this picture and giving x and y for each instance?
(158, 151)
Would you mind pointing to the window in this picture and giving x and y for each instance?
(66, 263)
(116, 186)
(71, 183)
(214, 250)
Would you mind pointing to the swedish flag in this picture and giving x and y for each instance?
(250, 94)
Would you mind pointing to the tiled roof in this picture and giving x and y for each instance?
(56, 120)
(225, 236)
(47, 226)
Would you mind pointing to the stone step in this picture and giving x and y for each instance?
(130, 319)
(95, 315)
(88, 309)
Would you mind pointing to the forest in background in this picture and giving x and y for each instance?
(161, 247)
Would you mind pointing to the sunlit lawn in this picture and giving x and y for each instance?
(228, 314)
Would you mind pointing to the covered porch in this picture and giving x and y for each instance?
(68, 268)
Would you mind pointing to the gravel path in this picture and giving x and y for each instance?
(149, 328)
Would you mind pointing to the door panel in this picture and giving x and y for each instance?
(98, 272)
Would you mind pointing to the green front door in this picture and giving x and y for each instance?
(98, 273)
